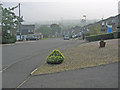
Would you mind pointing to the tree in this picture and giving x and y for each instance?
(55, 28)
(45, 30)
(10, 22)
(95, 29)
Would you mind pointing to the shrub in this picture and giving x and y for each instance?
(55, 57)
(9, 39)
(117, 34)
(70, 36)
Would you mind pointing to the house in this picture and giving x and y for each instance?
(113, 21)
(76, 29)
(0, 20)
(104, 24)
(24, 31)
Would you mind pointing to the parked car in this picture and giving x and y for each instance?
(33, 37)
(66, 37)
(78, 35)
(75, 36)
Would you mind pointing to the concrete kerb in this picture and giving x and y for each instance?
(17, 43)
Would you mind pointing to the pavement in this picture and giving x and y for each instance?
(19, 60)
(104, 76)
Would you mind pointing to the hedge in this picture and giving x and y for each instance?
(104, 36)
(55, 57)
(11, 39)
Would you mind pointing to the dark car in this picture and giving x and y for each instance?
(66, 37)
(31, 38)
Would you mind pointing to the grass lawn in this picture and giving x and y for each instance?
(82, 56)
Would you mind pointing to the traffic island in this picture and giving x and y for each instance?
(83, 56)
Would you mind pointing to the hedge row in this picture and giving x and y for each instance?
(103, 36)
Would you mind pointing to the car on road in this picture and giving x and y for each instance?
(66, 37)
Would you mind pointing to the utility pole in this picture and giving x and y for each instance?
(19, 22)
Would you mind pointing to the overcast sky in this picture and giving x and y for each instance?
(50, 10)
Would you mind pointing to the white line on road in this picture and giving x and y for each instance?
(25, 80)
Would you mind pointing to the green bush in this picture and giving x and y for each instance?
(117, 34)
(104, 36)
(70, 36)
(9, 39)
(55, 57)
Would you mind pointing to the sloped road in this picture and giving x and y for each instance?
(21, 59)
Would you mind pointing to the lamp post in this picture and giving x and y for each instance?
(85, 19)
(84, 27)
(19, 22)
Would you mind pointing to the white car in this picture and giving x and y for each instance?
(66, 37)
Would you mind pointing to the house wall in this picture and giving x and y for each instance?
(0, 24)
(119, 7)
(0, 20)
(18, 37)
(25, 30)
(114, 21)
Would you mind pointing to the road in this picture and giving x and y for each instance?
(21, 59)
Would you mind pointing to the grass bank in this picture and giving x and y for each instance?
(82, 56)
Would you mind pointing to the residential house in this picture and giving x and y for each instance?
(24, 31)
(76, 29)
(118, 24)
(113, 21)
(103, 24)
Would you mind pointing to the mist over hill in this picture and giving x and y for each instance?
(67, 23)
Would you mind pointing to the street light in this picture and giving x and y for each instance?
(84, 34)
(19, 22)
(85, 19)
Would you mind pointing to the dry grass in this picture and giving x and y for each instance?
(84, 55)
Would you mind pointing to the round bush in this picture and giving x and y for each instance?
(55, 57)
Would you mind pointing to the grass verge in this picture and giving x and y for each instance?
(43, 38)
(82, 56)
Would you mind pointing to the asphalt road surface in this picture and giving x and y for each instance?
(104, 76)
(21, 59)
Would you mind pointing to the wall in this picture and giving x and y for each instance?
(119, 7)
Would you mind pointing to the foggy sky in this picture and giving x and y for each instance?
(35, 11)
